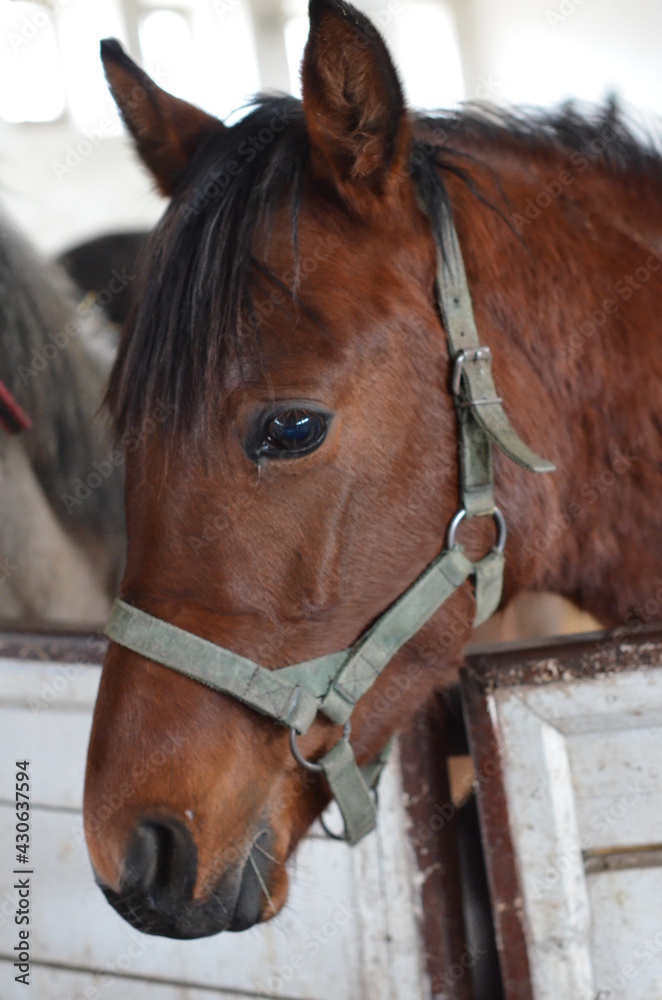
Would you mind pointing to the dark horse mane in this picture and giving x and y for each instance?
(567, 130)
(202, 250)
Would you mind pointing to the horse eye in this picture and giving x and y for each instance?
(293, 432)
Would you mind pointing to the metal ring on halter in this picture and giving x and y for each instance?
(309, 764)
(499, 519)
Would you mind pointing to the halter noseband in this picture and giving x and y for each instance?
(333, 684)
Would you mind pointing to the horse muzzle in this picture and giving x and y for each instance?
(156, 891)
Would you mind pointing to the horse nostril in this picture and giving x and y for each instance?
(161, 861)
(156, 888)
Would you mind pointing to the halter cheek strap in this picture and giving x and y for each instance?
(332, 684)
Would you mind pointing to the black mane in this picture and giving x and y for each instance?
(195, 293)
(600, 132)
(195, 298)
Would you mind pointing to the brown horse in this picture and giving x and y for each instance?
(307, 472)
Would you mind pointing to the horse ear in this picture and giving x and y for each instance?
(166, 130)
(353, 102)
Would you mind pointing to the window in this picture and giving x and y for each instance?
(31, 79)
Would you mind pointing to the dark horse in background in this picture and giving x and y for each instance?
(291, 283)
(61, 499)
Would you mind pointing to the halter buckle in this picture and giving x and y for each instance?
(481, 353)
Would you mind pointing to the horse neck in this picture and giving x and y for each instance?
(569, 309)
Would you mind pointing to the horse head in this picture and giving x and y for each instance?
(291, 469)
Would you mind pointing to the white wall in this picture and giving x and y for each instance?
(107, 190)
(545, 51)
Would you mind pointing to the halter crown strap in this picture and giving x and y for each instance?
(481, 417)
(332, 684)
(377, 647)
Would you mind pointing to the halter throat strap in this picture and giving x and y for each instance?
(332, 684)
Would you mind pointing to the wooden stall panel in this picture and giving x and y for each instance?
(545, 835)
(617, 781)
(581, 761)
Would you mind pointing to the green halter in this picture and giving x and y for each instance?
(333, 684)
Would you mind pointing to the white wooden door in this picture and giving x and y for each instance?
(582, 770)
